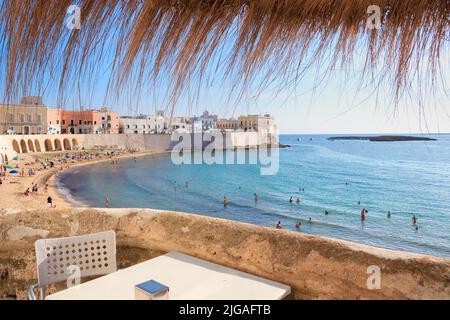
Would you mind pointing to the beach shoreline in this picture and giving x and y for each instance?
(13, 187)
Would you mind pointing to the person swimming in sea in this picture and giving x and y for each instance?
(279, 226)
(255, 195)
(187, 184)
(389, 215)
(326, 212)
(290, 200)
(298, 226)
(359, 203)
(414, 219)
(298, 200)
(310, 220)
(225, 201)
(175, 185)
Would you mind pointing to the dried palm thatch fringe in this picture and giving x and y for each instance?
(145, 39)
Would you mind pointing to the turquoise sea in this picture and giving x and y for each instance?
(404, 177)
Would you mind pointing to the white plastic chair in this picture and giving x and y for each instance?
(59, 259)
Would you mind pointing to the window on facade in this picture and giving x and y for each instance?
(85, 122)
(38, 118)
(57, 121)
(11, 117)
(29, 118)
(22, 118)
(135, 126)
(95, 122)
(64, 122)
(109, 118)
(109, 125)
(128, 126)
(38, 129)
(71, 122)
(79, 122)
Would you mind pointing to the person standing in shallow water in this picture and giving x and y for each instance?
(107, 202)
(414, 220)
(256, 197)
(389, 215)
(225, 201)
(363, 214)
(290, 200)
(279, 226)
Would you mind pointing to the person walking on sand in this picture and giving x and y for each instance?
(50, 202)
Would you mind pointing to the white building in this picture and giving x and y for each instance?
(53, 129)
(265, 126)
(207, 121)
(143, 125)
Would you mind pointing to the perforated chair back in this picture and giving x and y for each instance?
(89, 255)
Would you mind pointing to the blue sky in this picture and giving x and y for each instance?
(337, 105)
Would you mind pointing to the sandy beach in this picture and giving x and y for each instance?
(14, 186)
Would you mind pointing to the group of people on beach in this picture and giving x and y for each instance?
(19, 168)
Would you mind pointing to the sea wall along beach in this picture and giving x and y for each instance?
(315, 267)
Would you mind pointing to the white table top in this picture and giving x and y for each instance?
(187, 277)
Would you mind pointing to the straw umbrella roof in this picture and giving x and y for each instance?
(249, 40)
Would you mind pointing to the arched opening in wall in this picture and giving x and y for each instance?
(48, 145)
(37, 146)
(58, 145)
(15, 146)
(67, 144)
(75, 144)
(23, 146)
(31, 145)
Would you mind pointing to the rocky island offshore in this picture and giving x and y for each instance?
(382, 138)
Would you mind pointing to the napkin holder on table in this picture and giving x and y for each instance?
(151, 290)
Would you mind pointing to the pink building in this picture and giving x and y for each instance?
(82, 122)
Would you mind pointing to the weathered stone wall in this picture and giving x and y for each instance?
(13, 145)
(315, 267)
